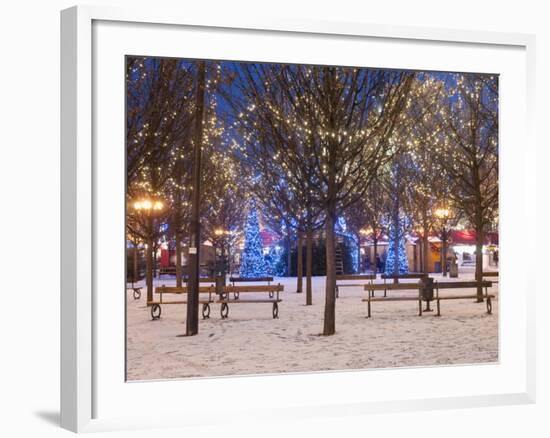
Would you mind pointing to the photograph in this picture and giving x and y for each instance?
(299, 218)
(280, 220)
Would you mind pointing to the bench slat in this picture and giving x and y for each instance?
(182, 290)
(393, 286)
(201, 280)
(248, 301)
(255, 288)
(461, 284)
(403, 276)
(460, 297)
(249, 280)
(391, 299)
(350, 285)
(150, 303)
(356, 277)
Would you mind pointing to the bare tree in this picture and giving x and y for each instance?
(225, 201)
(156, 124)
(340, 120)
(467, 148)
(283, 170)
(365, 219)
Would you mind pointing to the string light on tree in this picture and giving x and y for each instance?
(396, 234)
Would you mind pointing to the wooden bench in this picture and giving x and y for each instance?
(407, 276)
(162, 290)
(371, 287)
(224, 299)
(234, 280)
(397, 277)
(136, 291)
(250, 280)
(351, 277)
(420, 286)
(491, 274)
(462, 285)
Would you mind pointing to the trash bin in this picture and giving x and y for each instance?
(428, 289)
(453, 270)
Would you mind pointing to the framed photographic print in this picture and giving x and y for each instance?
(261, 208)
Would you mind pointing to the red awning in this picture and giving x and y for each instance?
(269, 238)
(468, 237)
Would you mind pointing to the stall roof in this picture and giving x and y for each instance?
(269, 238)
(468, 237)
(457, 237)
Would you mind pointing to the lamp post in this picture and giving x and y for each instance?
(149, 209)
(192, 322)
(443, 214)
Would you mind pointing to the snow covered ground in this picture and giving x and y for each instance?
(250, 341)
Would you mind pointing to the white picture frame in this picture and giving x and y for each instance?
(81, 330)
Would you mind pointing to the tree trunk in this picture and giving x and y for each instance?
(299, 264)
(229, 263)
(223, 270)
(149, 261)
(396, 244)
(178, 260)
(288, 257)
(155, 250)
(444, 254)
(415, 259)
(329, 327)
(330, 292)
(358, 253)
(136, 273)
(479, 263)
(309, 266)
(421, 255)
(375, 259)
(192, 323)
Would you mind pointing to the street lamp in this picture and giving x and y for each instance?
(443, 214)
(365, 231)
(148, 205)
(149, 208)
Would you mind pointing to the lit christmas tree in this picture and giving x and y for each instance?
(252, 259)
(396, 234)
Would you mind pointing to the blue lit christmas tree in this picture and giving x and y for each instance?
(252, 258)
(351, 244)
(396, 233)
